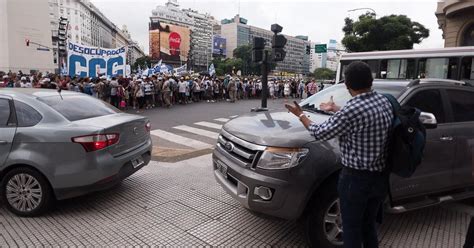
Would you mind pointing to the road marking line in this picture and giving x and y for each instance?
(233, 116)
(192, 143)
(198, 131)
(222, 119)
(209, 125)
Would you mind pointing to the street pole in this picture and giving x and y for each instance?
(59, 60)
(264, 81)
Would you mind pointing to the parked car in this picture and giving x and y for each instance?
(60, 145)
(270, 164)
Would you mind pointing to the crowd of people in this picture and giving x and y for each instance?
(164, 90)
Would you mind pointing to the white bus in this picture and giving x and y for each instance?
(447, 63)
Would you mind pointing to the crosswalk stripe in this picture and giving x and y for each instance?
(209, 125)
(198, 131)
(180, 139)
(233, 116)
(222, 119)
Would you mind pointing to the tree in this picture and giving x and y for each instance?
(245, 54)
(324, 73)
(394, 32)
(143, 62)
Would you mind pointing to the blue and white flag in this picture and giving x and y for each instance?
(157, 67)
(164, 68)
(181, 69)
(139, 71)
(212, 70)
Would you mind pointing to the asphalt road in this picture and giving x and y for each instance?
(187, 131)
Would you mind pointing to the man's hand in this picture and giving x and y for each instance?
(329, 106)
(294, 108)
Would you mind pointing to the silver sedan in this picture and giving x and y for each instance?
(57, 145)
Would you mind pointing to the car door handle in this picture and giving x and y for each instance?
(446, 138)
(3, 142)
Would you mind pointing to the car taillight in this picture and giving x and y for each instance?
(148, 126)
(96, 142)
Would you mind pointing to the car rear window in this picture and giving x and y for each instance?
(79, 107)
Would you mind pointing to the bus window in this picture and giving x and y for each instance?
(374, 67)
(397, 68)
(444, 68)
(467, 69)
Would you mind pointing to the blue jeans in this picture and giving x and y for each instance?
(361, 194)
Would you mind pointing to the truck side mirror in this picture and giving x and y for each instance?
(428, 120)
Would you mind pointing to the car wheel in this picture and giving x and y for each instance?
(323, 223)
(26, 192)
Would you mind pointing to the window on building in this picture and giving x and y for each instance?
(468, 37)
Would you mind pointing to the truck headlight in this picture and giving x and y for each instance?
(275, 158)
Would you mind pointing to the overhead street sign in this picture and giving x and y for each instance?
(320, 48)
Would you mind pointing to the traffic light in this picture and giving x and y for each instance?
(27, 41)
(308, 49)
(278, 43)
(62, 34)
(258, 49)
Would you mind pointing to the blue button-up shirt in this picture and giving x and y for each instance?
(363, 127)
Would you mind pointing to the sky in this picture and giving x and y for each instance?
(321, 20)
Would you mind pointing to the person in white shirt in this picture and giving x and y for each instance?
(182, 87)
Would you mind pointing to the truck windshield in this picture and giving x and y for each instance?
(341, 95)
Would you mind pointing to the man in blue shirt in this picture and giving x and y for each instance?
(363, 129)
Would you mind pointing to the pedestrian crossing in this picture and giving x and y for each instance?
(180, 139)
(209, 125)
(198, 136)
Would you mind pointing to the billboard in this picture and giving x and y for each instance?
(86, 61)
(169, 43)
(218, 45)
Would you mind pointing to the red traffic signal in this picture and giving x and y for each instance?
(27, 41)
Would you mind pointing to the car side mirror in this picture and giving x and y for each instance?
(428, 120)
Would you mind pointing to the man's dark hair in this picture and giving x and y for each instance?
(358, 76)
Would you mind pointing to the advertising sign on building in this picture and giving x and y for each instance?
(85, 61)
(218, 45)
(170, 43)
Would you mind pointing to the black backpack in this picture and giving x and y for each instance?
(407, 140)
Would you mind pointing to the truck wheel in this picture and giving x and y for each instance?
(26, 192)
(323, 223)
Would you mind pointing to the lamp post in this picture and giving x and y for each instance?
(375, 13)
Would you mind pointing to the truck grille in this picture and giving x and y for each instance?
(244, 153)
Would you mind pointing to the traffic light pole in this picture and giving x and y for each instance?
(264, 62)
(264, 81)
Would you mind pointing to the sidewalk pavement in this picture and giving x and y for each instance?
(180, 204)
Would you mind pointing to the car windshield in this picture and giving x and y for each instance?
(79, 107)
(341, 95)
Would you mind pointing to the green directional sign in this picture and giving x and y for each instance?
(320, 48)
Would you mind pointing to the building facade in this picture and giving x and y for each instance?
(330, 59)
(134, 50)
(87, 26)
(200, 25)
(17, 27)
(456, 20)
(237, 33)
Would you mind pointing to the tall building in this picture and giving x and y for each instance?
(87, 25)
(18, 24)
(134, 50)
(456, 20)
(200, 25)
(330, 59)
(238, 33)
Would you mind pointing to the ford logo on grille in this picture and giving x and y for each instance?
(229, 146)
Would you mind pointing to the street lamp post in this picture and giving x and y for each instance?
(375, 13)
